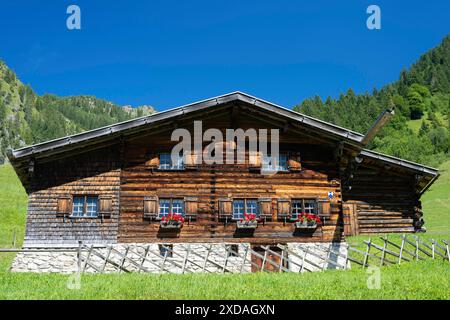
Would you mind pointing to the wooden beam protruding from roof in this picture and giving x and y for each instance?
(379, 123)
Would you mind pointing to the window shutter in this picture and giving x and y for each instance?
(265, 206)
(150, 206)
(324, 207)
(284, 207)
(153, 162)
(255, 159)
(64, 206)
(191, 206)
(189, 160)
(294, 163)
(105, 205)
(225, 206)
(231, 145)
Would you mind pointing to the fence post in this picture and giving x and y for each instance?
(432, 247)
(401, 249)
(80, 243)
(366, 256)
(446, 247)
(14, 238)
(186, 258)
(417, 248)
(305, 252)
(383, 253)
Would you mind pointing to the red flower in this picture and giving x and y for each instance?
(308, 218)
(173, 217)
(251, 217)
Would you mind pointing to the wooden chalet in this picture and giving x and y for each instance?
(115, 184)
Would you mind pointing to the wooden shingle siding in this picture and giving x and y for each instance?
(382, 201)
(93, 173)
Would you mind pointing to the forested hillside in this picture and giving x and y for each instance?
(419, 130)
(27, 118)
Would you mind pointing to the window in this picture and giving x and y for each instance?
(267, 164)
(165, 162)
(245, 206)
(238, 209)
(298, 206)
(85, 206)
(232, 250)
(166, 250)
(167, 206)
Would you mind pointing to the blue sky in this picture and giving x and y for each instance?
(168, 53)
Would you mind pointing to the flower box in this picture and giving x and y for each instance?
(172, 221)
(247, 224)
(307, 222)
(305, 225)
(171, 224)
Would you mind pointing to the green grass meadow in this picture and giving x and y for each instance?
(415, 280)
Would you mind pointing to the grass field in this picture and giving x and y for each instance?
(422, 280)
(417, 280)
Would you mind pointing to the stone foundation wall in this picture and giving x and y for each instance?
(67, 261)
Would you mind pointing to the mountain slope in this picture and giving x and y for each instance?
(420, 129)
(26, 118)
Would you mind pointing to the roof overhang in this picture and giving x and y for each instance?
(346, 135)
(355, 140)
(427, 174)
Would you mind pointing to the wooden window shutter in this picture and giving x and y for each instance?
(294, 163)
(265, 206)
(105, 205)
(284, 207)
(225, 206)
(255, 159)
(64, 206)
(191, 206)
(324, 207)
(224, 145)
(189, 160)
(150, 206)
(153, 161)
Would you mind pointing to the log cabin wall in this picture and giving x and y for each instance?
(53, 186)
(210, 184)
(381, 201)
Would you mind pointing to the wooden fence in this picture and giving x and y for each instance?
(279, 258)
(224, 258)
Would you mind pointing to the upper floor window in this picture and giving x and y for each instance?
(85, 206)
(268, 165)
(300, 206)
(242, 206)
(166, 163)
(167, 206)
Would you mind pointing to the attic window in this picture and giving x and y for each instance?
(166, 163)
(267, 164)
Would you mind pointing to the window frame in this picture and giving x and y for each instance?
(294, 216)
(170, 166)
(266, 160)
(167, 249)
(241, 216)
(85, 206)
(171, 200)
